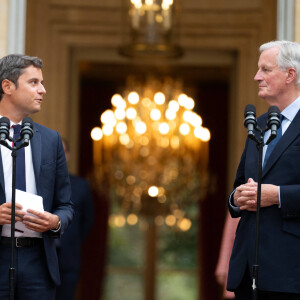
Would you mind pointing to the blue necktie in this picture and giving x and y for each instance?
(273, 143)
(20, 162)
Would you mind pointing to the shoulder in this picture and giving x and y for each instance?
(43, 129)
(47, 134)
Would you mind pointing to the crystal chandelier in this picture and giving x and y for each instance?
(151, 152)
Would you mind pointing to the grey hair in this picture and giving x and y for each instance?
(12, 67)
(288, 57)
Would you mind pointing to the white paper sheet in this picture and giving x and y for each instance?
(27, 200)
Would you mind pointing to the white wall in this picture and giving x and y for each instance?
(3, 27)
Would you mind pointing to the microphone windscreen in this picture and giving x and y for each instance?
(250, 108)
(274, 109)
(27, 120)
(5, 120)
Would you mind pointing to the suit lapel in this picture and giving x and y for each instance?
(288, 137)
(36, 148)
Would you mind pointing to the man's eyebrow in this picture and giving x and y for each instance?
(35, 79)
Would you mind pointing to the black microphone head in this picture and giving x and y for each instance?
(250, 108)
(27, 129)
(28, 121)
(4, 128)
(5, 122)
(274, 116)
(274, 109)
(250, 118)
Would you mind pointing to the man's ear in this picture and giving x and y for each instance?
(7, 86)
(291, 75)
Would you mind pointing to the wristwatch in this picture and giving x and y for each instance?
(58, 225)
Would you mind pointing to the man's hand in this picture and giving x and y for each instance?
(41, 221)
(5, 213)
(245, 196)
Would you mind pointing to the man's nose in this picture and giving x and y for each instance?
(41, 89)
(257, 76)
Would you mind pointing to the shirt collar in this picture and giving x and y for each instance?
(290, 111)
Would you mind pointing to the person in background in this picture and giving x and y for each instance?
(70, 244)
(221, 272)
(42, 175)
(278, 79)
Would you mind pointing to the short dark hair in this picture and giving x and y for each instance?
(12, 66)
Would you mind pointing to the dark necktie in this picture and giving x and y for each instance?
(273, 143)
(20, 162)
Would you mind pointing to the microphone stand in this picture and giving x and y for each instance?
(12, 270)
(259, 144)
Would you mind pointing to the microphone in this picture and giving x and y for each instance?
(4, 129)
(26, 130)
(273, 122)
(250, 120)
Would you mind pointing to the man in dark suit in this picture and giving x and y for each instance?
(70, 244)
(278, 78)
(45, 174)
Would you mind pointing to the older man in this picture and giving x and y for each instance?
(279, 244)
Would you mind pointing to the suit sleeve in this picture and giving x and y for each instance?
(62, 205)
(239, 179)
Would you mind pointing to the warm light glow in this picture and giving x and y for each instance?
(159, 220)
(108, 117)
(140, 127)
(184, 129)
(132, 219)
(121, 127)
(170, 114)
(170, 220)
(159, 98)
(118, 101)
(119, 221)
(124, 139)
(120, 114)
(146, 102)
(182, 98)
(149, 2)
(196, 120)
(155, 114)
(174, 105)
(133, 97)
(131, 113)
(202, 133)
(96, 134)
(153, 191)
(187, 116)
(151, 151)
(189, 103)
(175, 142)
(164, 128)
(184, 224)
(107, 130)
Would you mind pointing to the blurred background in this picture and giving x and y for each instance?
(150, 95)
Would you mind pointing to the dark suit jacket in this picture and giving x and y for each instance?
(52, 183)
(279, 243)
(70, 243)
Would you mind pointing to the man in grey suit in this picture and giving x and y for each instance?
(278, 79)
(46, 174)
